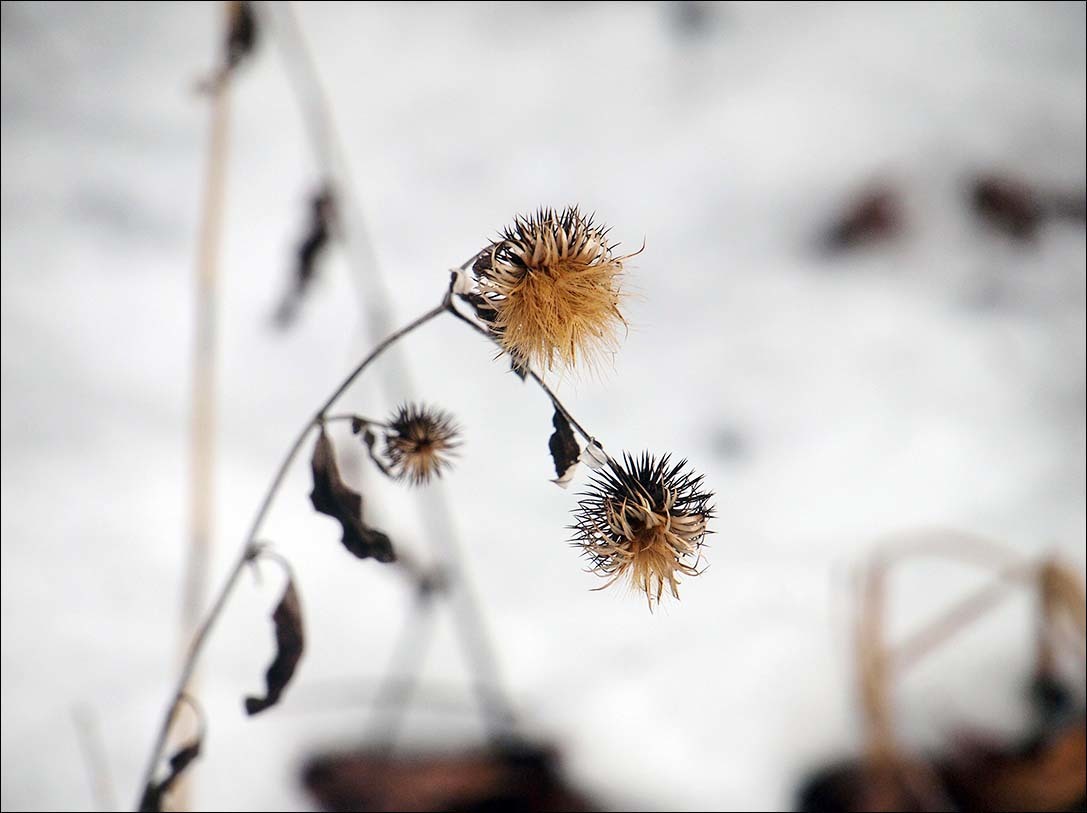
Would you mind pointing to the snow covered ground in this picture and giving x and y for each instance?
(937, 379)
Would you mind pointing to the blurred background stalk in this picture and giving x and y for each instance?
(204, 368)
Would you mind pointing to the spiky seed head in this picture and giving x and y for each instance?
(420, 443)
(644, 519)
(552, 282)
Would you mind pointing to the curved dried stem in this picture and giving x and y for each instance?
(960, 615)
(374, 302)
(250, 550)
(394, 693)
(247, 550)
(879, 664)
(351, 418)
(529, 372)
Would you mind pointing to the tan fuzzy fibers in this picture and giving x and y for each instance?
(554, 286)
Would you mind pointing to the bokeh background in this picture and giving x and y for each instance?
(930, 376)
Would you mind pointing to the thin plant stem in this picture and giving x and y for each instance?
(395, 692)
(437, 515)
(879, 665)
(490, 694)
(247, 550)
(203, 379)
(371, 288)
(203, 396)
(497, 711)
(960, 615)
(377, 351)
(535, 377)
(352, 418)
(203, 375)
(872, 668)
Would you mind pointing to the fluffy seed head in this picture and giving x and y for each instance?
(552, 283)
(420, 443)
(644, 519)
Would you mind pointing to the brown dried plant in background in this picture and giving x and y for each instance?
(552, 286)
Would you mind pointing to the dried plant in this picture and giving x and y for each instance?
(420, 444)
(644, 519)
(547, 294)
(549, 289)
(319, 230)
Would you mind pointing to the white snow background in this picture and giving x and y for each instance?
(936, 380)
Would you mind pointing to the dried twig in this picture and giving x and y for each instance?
(204, 630)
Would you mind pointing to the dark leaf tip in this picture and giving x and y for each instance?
(290, 644)
(564, 449)
(333, 497)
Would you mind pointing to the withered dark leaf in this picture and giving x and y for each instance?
(318, 234)
(242, 38)
(564, 449)
(153, 794)
(333, 497)
(290, 644)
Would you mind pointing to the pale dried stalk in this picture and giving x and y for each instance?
(203, 398)
(879, 664)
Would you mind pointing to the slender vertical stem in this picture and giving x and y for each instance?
(202, 438)
(401, 676)
(872, 669)
(203, 398)
(203, 376)
(327, 144)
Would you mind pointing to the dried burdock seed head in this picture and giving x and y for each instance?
(551, 289)
(645, 519)
(420, 443)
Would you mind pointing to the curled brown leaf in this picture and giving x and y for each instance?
(155, 792)
(290, 644)
(333, 497)
(565, 451)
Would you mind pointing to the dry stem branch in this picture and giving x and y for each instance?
(533, 375)
(493, 702)
(202, 633)
(437, 515)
